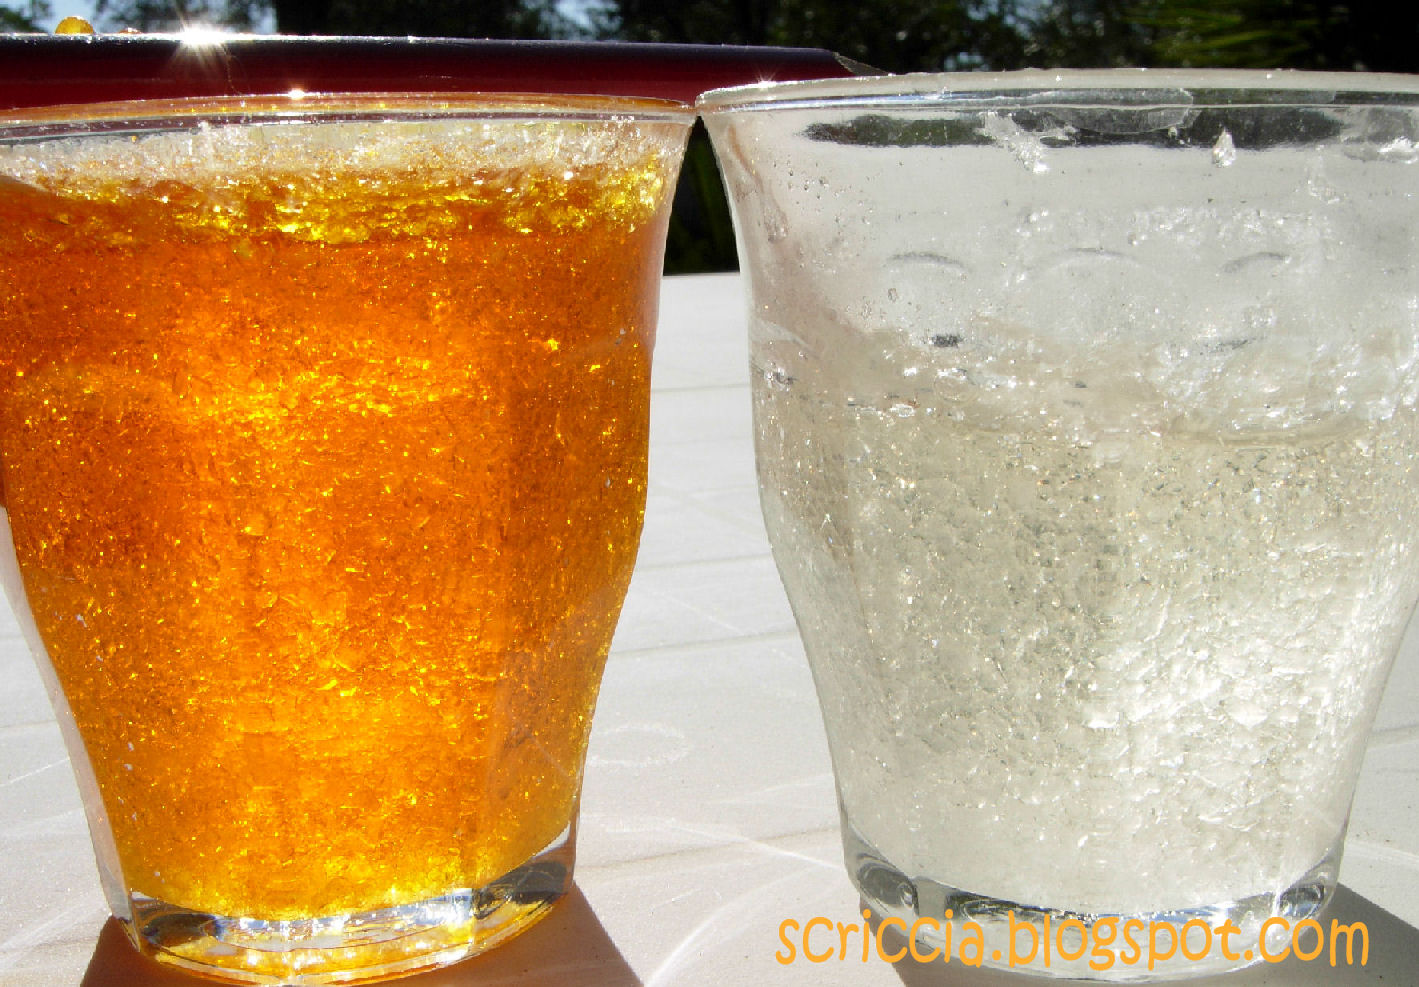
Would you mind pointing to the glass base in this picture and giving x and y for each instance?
(1048, 942)
(356, 948)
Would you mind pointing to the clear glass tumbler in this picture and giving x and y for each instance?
(1087, 420)
(323, 429)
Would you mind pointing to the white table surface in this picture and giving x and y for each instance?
(708, 816)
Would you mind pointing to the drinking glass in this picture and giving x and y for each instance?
(323, 430)
(1087, 422)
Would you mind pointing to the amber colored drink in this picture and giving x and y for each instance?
(324, 455)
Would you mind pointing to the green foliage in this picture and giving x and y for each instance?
(1337, 35)
(174, 15)
(1089, 34)
(894, 35)
(427, 18)
(701, 236)
(929, 35)
(25, 18)
(1308, 34)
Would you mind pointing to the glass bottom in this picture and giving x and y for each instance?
(939, 923)
(357, 948)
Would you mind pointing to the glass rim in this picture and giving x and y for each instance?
(298, 105)
(1074, 87)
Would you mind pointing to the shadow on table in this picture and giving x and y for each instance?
(1394, 946)
(569, 946)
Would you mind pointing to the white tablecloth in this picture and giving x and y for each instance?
(708, 816)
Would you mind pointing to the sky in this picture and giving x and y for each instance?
(68, 8)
